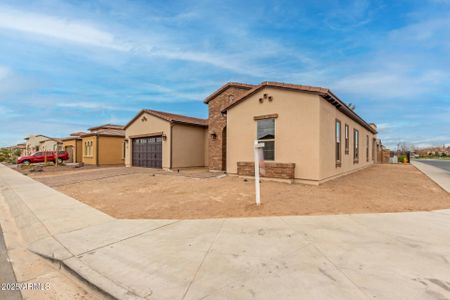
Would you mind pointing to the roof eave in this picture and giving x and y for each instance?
(189, 123)
(102, 134)
(341, 106)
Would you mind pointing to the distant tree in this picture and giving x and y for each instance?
(403, 147)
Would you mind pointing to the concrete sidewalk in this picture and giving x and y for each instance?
(438, 175)
(384, 256)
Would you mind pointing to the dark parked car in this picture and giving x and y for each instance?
(43, 156)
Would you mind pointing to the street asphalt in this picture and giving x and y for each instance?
(6, 273)
(441, 164)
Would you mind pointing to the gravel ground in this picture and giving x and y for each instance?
(64, 177)
(146, 193)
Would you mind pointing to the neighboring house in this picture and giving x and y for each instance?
(33, 143)
(103, 145)
(50, 144)
(164, 140)
(310, 135)
(74, 146)
(21, 148)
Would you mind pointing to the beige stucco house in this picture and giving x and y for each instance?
(309, 134)
(50, 144)
(103, 145)
(33, 143)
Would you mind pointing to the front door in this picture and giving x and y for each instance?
(147, 152)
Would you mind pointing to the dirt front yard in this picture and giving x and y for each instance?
(146, 193)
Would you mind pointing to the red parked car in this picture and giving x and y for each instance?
(43, 156)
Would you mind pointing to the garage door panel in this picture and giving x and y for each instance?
(147, 152)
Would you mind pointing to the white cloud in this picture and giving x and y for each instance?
(85, 33)
(432, 31)
(389, 84)
(384, 126)
(161, 93)
(58, 28)
(159, 42)
(93, 106)
(4, 110)
(4, 72)
(10, 83)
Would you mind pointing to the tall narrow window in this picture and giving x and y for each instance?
(88, 148)
(367, 148)
(347, 137)
(266, 135)
(355, 146)
(338, 143)
(373, 149)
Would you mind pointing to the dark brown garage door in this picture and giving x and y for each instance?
(147, 152)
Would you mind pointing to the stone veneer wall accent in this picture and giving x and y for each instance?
(385, 156)
(273, 170)
(216, 125)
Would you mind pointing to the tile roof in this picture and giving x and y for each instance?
(324, 92)
(58, 140)
(72, 137)
(177, 118)
(106, 126)
(78, 133)
(170, 117)
(227, 85)
(28, 137)
(106, 132)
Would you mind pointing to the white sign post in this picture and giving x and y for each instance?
(259, 156)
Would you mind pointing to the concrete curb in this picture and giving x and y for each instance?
(439, 176)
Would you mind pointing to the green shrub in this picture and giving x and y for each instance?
(402, 158)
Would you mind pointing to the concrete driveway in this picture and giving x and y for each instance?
(384, 256)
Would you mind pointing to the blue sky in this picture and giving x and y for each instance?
(69, 65)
